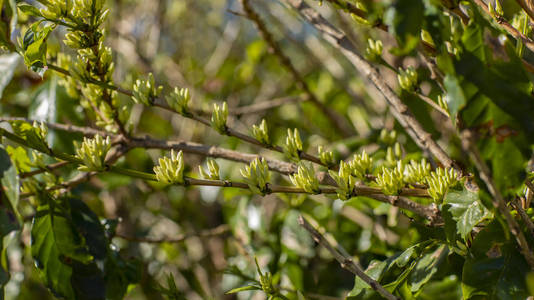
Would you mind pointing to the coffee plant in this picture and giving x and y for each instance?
(285, 149)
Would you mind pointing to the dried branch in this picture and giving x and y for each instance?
(345, 261)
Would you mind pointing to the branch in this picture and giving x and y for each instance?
(524, 216)
(63, 127)
(528, 42)
(345, 261)
(337, 120)
(401, 112)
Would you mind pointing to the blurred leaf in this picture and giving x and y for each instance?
(10, 181)
(8, 65)
(405, 19)
(34, 46)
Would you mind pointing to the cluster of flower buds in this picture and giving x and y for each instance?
(257, 176)
(361, 165)
(326, 157)
(391, 181)
(261, 133)
(179, 100)
(408, 79)
(171, 169)
(344, 180)
(87, 9)
(417, 172)
(219, 117)
(495, 9)
(56, 9)
(374, 50)
(293, 146)
(92, 153)
(305, 179)
(266, 281)
(388, 137)
(146, 91)
(213, 170)
(439, 182)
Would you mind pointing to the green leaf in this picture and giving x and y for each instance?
(455, 96)
(10, 181)
(244, 288)
(466, 209)
(426, 267)
(494, 269)
(8, 65)
(56, 246)
(34, 46)
(405, 19)
(29, 9)
(20, 158)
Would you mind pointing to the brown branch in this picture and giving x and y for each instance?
(336, 119)
(401, 112)
(528, 42)
(219, 230)
(346, 262)
(265, 105)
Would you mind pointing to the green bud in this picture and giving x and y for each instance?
(344, 180)
(408, 79)
(417, 172)
(305, 179)
(361, 165)
(171, 169)
(146, 91)
(92, 153)
(266, 280)
(388, 137)
(257, 176)
(293, 146)
(374, 50)
(261, 133)
(326, 157)
(219, 118)
(179, 101)
(213, 170)
(391, 181)
(439, 182)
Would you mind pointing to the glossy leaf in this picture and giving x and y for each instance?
(466, 209)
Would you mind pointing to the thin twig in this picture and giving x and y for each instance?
(345, 261)
(63, 127)
(336, 119)
(47, 168)
(528, 42)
